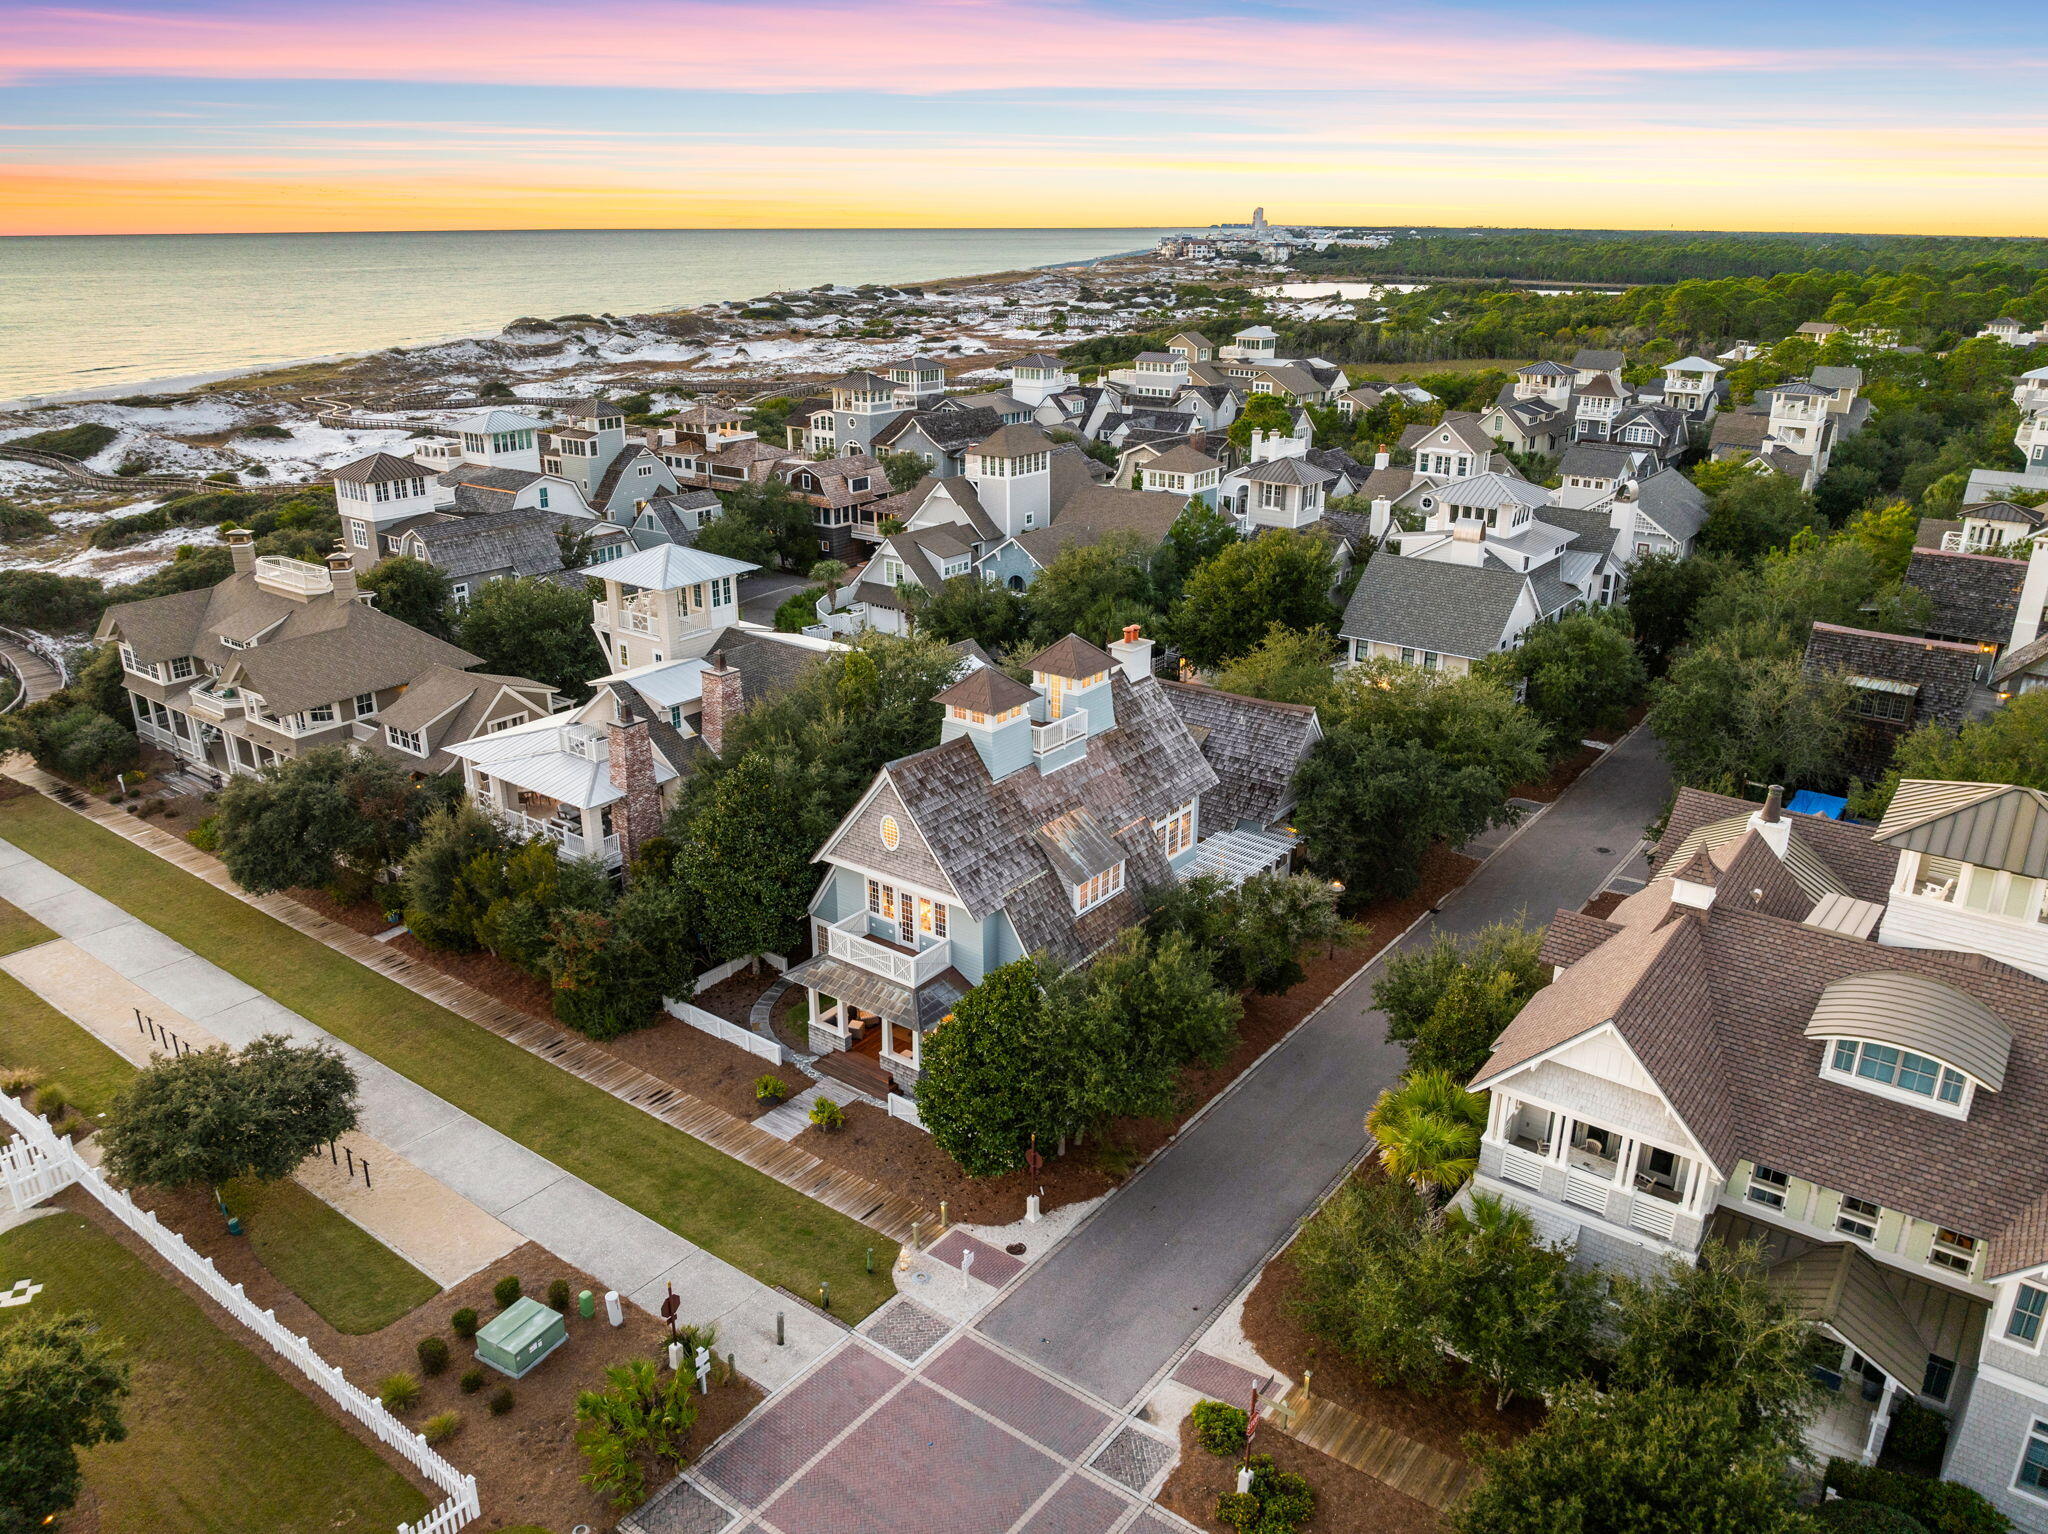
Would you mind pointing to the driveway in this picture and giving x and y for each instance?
(1114, 1306)
(762, 593)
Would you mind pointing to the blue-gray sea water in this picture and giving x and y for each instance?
(88, 312)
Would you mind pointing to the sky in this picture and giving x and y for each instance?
(206, 116)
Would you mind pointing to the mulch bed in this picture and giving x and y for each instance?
(364, 916)
(1442, 1417)
(720, 1073)
(526, 1462)
(1348, 1501)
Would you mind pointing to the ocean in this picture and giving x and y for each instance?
(102, 311)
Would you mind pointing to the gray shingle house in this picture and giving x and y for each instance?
(1035, 826)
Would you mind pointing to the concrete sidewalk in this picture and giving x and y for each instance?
(620, 1247)
(418, 1216)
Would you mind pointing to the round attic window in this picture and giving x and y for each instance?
(891, 832)
(1428, 503)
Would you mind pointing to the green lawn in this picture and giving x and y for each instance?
(35, 1034)
(217, 1443)
(19, 930)
(356, 1282)
(750, 1220)
(352, 1279)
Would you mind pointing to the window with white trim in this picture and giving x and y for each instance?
(459, 593)
(359, 533)
(128, 661)
(1767, 1186)
(320, 714)
(182, 666)
(1093, 892)
(2032, 1477)
(1953, 1250)
(366, 704)
(1858, 1217)
(2023, 1321)
(1176, 832)
(404, 740)
(1898, 1072)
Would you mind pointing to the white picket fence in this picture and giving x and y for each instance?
(726, 971)
(40, 1159)
(732, 1033)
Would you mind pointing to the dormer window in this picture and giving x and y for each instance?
(1870, 1064)
(1092, 893)
(404, 740)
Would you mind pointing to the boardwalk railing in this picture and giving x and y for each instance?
(13, 644)
(39, 1156)
(141, 484)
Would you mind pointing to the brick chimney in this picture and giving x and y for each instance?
(637, 817)
(722, 703)
(241, 549)
(341, 572)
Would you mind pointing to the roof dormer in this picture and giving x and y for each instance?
(1912, 1039)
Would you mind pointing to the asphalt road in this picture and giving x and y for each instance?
(1115, 1304)
(762, 593)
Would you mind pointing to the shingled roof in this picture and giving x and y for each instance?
(1428, 604)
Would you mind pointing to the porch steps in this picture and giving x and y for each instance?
(854, 1071)
(1414, 1469)
(856, 1197)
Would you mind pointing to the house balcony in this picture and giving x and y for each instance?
(855, 940)
(1055, 734)
(565, 835)
(210, 701)
(1600, 1172)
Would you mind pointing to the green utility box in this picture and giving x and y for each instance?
(520, 1336)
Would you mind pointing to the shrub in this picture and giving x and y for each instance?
(464, 1323)
(206, 835)
(501, 1400)
(770, 1089)
(505, 1290)
(71, 441)
(53, 1102)
(828, 1115)
(1916, 1438)
(1237, 1510)
(267, 432)
(1944, 1507)
(1220, 1427)
(471, 1382)
(1865, 1518)
(433, 1355)
(399, 1392)
(558, 1294)
(20, 1080)
(441, 1427)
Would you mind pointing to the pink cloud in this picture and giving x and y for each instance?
(914, 48)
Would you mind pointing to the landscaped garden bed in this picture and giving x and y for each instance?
(1348, 1501)
(1442, 1417)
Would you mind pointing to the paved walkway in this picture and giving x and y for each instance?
(1114, 1306)
(916, 1426)
(851, 1195)
(418, 1216)
(618, 1246)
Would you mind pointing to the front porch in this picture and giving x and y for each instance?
(868, 1030)
(1614, 1170)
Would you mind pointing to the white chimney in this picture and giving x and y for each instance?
(1382, 458)
(1133, 652)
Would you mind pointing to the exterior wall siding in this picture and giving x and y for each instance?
(1911, 921)
(1984, 1449)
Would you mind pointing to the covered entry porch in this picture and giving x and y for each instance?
(868, 1032)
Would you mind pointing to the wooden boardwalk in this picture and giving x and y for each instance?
(1413, 1469)
(890, 1214)
(38, 677)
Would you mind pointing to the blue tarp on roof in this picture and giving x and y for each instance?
(1807, 802)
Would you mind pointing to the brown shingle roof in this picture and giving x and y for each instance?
(1072, 657)
(378, 468)
(986, 690)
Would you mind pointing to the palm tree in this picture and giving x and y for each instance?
(1428, 1129)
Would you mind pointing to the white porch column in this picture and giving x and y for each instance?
(1624, 1161)
(1878, 1418)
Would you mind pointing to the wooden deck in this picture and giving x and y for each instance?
(1413, 1469)
(890, 1214)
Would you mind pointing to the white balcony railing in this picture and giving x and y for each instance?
(634, 622)
(1654, 1216)
(1587, 1191)
(849, 940)
(1521, 1167)
(563, 835)
(214, 702)
(1063, 731)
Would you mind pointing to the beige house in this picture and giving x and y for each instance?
(283, 657)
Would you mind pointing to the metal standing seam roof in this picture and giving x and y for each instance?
(667, 567)
(1916, 1013)
(1992, 825)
